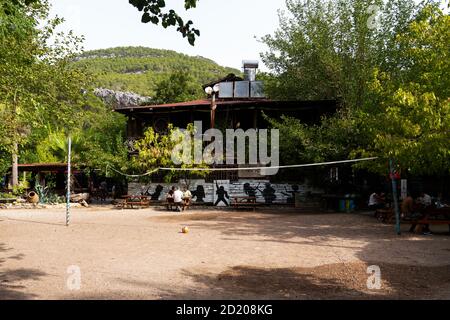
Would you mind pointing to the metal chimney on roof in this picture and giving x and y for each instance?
(250, 67)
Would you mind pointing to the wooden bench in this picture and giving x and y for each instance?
(187, 203)
(423, 222)
(183, 205)
(428, 216)
(385, 215)
(432, 216)
(133, 202)
(244, 202)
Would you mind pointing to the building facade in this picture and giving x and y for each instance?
(231, 103)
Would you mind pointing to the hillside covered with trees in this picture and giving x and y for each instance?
(140, 69)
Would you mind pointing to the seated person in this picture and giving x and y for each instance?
(407, 207)
(424, 200)
(178, 199)
(187, 196)
(416, 212)
(169, 198)
(376, 201)
(440, 203)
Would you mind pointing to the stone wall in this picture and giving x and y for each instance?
(220, 192)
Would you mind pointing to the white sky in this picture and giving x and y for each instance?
(228, 27)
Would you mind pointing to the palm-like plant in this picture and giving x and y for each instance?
(55, 148)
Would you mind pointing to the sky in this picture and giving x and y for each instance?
(230, 29)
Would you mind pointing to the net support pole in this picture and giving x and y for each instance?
(68, 182)
(395, 196)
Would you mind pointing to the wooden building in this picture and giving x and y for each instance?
(230, 103)
(239, 103)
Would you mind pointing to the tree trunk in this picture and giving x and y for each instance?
(15, 165)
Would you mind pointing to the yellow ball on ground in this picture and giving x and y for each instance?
(185, 230)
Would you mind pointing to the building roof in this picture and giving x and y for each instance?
(261, 103)
(43, 167)
(40, 165)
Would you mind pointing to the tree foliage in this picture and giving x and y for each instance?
(390, 77)
(139, 69)
(44, 97)
(325, 49)
(178, 87)
(408, 118)
(157, 151)
(153, 12)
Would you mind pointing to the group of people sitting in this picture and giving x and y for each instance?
(413, 207)
(180, 199)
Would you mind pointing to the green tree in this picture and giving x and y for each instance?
(157, 151)
(408, 117)
(325, 49)
(391, 81)
(19, 66)
(178, 87)
(97, 139)
(40, 89)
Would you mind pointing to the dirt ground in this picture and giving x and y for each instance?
(278, 254)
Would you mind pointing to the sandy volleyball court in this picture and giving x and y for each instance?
(142, 254)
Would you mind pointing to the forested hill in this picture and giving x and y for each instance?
(139, 69)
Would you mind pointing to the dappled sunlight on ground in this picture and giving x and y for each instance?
(280, 254)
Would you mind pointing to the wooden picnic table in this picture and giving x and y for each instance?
(385, 215)
(243, 202)
(433, 216)
(430, 216)
(185, 204)
(134, 201)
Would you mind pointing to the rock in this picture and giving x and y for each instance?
(119, 99)
(41, 206)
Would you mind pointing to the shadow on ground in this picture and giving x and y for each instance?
(333, 281)
(412, 266)
(10, 279)
(327, 282)
(406, 272)
(346, 231)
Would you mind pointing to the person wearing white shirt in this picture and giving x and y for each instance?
(376, 201)
(424, 199)
(178, 198)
